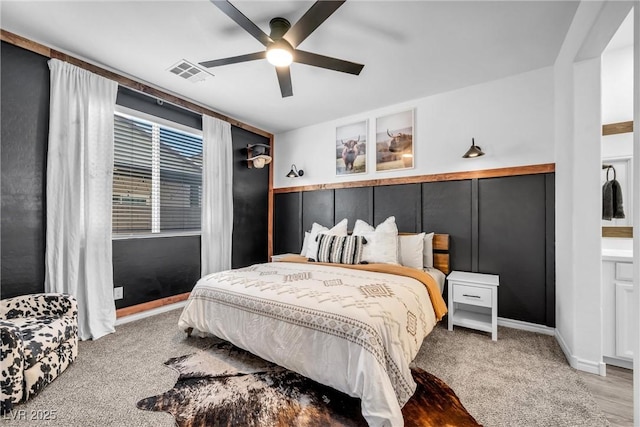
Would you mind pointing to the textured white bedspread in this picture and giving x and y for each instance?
(356, 331)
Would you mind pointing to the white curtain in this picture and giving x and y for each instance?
(79, 183)
(217, 195)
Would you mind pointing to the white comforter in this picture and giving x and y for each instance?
(356, 331)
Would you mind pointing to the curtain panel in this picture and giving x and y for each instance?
(78, 258)
(217, 195)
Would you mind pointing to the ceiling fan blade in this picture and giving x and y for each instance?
(322, 61)
(284, 79)
(234, 59)
(311, 20)
(233, 13)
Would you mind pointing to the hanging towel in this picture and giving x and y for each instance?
(612, 199)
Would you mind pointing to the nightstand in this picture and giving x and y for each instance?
(473, 301)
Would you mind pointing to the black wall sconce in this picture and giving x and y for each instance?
(294, 172)
(473, 151)
(258, 155)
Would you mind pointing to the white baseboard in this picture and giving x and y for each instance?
(149, 313)
(621, 363)
(593, 367)
(526, 326)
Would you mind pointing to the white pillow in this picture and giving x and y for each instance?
(386, 226)
(305, 243)
(382, 242)
(340, 229)
(428, 250)
(410, 250)
(381, 247)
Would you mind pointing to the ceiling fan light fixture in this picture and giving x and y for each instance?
(280, 54)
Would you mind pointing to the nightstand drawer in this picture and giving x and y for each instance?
(473, 295)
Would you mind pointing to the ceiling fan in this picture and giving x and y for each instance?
(281, 44)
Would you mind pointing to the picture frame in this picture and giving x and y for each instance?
(395, 135)
(351, 148)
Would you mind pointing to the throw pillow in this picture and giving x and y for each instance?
(340, 229)
(340, 249)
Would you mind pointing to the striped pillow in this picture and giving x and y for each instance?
(340, 249)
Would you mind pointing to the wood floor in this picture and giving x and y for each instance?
(614, 394)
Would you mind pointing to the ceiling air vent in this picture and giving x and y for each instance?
(189, 71)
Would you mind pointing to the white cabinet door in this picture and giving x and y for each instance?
(624, 320)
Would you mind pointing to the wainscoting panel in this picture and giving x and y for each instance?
(402, 201)
(155, 268)
(512, 239)
(353, 204)
(502, 225)
(317, 206)
(446, 208)
(287, 225)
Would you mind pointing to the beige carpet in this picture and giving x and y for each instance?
(520, 380)
(523, 379)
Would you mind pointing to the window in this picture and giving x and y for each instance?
(157, 177)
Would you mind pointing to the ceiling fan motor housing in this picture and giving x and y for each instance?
(279, 27)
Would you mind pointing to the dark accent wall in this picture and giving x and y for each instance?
(154, 268)
(141, 102)
(511, 243)
(250, 203)
(287, 223)
(502, 226)
(446, 208)
(24, 108)
(148, 268)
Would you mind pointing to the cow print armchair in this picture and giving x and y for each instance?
(39, 341)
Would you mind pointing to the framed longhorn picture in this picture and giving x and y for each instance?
(394, 141)
(351, 148)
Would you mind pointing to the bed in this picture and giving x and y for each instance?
(355, 328)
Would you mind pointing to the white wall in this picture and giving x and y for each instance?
(617, 85)
(578, 195)
(511, 119)
(587, 214)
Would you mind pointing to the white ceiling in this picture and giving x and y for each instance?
(410, 49)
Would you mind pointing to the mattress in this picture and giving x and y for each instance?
(437, 275)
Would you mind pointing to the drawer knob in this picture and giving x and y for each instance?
(471, 296)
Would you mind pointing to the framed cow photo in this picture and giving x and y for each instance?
(351, 148)
(394, 141)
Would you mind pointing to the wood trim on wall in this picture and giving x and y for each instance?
(270, 205)
(626, 232)
(452, 176)
(615, 128)
(138, 308)
(32, 46)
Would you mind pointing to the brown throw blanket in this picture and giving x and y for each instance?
(439, 306)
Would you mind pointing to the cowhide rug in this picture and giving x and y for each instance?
(227, 386)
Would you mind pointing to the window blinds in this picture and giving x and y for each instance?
(157, 178)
